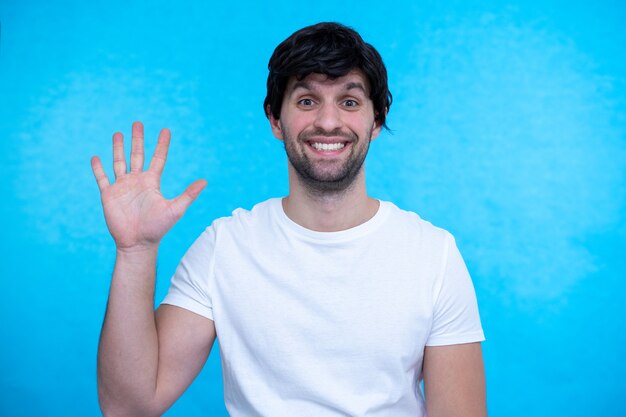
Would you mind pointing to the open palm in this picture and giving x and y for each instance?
(136, 212)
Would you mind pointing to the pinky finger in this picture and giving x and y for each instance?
(98, 172)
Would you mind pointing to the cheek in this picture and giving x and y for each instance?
(363, 124)
(291, 120)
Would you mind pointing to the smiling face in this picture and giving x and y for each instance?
(326, 125)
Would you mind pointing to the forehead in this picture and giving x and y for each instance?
(354, 80)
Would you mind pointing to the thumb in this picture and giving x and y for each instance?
(181, 203)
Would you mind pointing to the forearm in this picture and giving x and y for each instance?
(128, 350)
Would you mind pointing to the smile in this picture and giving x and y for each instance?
(327, 146)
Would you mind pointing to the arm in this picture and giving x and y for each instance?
(145, 360)
(454, 381)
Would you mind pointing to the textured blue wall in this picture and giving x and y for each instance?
(509, 130)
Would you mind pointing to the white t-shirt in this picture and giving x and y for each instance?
(326, 323)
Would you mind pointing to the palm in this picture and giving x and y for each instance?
(136, 212)
(128, 202)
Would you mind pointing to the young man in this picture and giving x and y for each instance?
(326, 302)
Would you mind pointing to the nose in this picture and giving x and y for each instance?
(328, 118)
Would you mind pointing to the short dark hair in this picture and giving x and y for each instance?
(331, 49)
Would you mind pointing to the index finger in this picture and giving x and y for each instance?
(160, 153)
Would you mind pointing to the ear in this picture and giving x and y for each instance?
(277, 130)
(377, 127)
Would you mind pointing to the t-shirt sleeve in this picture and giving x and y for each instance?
(455, 314)
(189, 286)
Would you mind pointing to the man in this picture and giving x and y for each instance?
(326, 302)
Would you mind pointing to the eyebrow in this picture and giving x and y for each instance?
(349, 86)
(301, 84)
(356, 85)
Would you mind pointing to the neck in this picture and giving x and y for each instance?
(329, 212)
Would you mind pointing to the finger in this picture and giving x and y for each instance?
(119, 160)
(183, 201)
(98, 172)
(136, 149)
(160, 153)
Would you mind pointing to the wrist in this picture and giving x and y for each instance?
(137, 262)
(137, 251)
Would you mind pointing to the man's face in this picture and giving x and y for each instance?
(326, 125)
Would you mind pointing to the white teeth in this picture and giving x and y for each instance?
(327, 146)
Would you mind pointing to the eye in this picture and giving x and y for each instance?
(306, 102)
(350, 103)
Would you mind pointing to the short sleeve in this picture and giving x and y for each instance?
(455, 310)
(189, 286)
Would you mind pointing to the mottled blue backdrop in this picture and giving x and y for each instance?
(509, 130)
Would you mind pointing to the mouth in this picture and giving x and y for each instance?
(328, 146)
(321, 146)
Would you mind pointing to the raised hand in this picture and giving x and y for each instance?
(136, 213)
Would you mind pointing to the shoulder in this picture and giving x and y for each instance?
(242, 219)
(410, 224)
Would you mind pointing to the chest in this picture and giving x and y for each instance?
(366, 303)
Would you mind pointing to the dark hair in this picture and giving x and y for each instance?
(331, 49)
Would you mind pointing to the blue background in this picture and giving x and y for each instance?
(509, 127)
